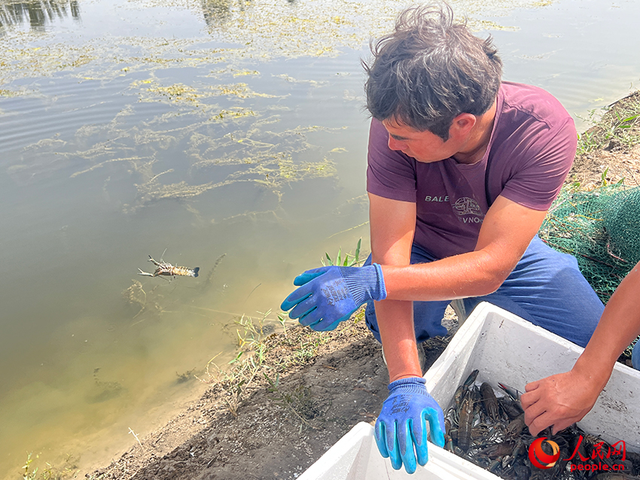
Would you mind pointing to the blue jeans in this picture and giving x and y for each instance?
(546, 288)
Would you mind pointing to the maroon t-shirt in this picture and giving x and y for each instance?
(531, 150)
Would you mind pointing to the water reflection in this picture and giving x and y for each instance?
(218, 12)
(36, 13)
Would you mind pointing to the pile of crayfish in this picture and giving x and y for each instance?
(489, 431)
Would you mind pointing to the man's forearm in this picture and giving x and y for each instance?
(470, 274)
(618, 327)
(395, 321)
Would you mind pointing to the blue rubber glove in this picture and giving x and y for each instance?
(402, 426)
(330, 295)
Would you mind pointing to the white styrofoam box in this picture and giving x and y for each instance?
(507, 349)
(355, 457)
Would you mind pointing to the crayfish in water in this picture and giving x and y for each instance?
(164, 269)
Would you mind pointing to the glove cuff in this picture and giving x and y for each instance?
(381, 292)
(409, 385)
(364, 283)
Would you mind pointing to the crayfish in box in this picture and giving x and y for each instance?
(490, 431)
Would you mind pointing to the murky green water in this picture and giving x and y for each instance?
(230, 133)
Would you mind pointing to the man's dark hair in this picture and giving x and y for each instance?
(430, 70)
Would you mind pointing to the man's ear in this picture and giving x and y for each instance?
(462, 125)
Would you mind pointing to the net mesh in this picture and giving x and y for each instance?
(601, 228)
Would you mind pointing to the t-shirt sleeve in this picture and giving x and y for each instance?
(390, 174)
(549, 159)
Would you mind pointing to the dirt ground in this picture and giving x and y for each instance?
(312, 388)
(282, 425)
(616, 151)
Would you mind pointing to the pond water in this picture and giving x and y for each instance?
(228, 134)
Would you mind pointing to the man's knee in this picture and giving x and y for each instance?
(541, 257)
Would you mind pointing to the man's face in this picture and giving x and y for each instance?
(424, 146)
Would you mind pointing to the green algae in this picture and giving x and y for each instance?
(268, 160)
(259, 30)
(234, 113)
(220, 124)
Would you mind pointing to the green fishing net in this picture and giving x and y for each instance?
(601, 228)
